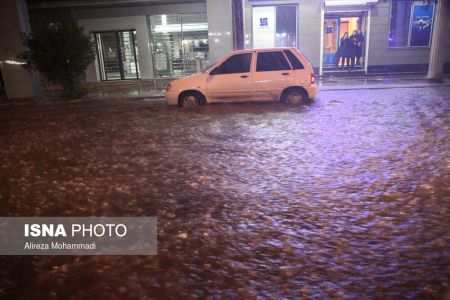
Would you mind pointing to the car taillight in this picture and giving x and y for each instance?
(168, 87)
(312, 79)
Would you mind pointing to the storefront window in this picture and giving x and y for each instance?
(411, 24)
(275, 26)
(117, 55)
(179, 44)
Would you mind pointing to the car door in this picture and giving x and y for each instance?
(272, 75)
(232, 80)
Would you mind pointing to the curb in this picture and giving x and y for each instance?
(7, 103)
(141, 97)
(381, 87)
(325, 88)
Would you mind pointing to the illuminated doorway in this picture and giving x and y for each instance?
(335, 26)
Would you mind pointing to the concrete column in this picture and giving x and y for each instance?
(310, 31)
(437, 54)
(237, 8)
(220, 28)
(18, 82)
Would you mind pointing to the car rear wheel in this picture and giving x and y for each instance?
(189, 100)
(294, 96)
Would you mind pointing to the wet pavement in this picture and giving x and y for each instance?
(347, 197)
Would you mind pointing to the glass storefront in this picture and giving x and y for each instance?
(117, 55)
(274, 26)
(179, 44)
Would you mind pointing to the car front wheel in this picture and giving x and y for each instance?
(189, 100)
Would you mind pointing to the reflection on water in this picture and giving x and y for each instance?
(346, 197)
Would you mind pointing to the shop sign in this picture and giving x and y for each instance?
(421, 24)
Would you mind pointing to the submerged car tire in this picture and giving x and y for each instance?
(191, 99)
(294, 96)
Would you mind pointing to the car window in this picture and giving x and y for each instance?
(272, 61)
(295, 63)
(239, 63)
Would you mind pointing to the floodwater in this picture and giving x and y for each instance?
(347, 197)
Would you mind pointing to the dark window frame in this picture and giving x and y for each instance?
(275, 70)
(218, 71)
(295, 58)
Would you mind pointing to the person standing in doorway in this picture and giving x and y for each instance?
(359, 47)
(342, 51)
(352, 49)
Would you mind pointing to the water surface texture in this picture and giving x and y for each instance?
(347, 197)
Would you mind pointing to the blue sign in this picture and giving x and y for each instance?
(421, 24)
(263, 22)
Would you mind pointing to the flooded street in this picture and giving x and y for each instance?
(347, 197)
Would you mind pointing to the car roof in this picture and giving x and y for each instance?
(262, 49)
(301, 56)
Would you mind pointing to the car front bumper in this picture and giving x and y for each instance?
(172, 98)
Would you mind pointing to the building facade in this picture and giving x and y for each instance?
(150, 40)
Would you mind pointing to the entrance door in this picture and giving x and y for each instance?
(110, 63)
(117, 55)
(335, 26)
(330, 41)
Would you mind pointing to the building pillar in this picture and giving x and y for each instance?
(220, 28)
(18, 82)
(237, 10)
(437, 54)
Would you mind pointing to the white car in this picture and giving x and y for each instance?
(276, 74)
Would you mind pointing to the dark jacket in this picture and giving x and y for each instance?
(359, 48)
(352, 45)
(343, 49)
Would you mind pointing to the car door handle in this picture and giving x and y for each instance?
(285, 74)
(244, 76)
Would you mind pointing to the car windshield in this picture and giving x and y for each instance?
(208, 67)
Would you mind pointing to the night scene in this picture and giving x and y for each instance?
(225, 149)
